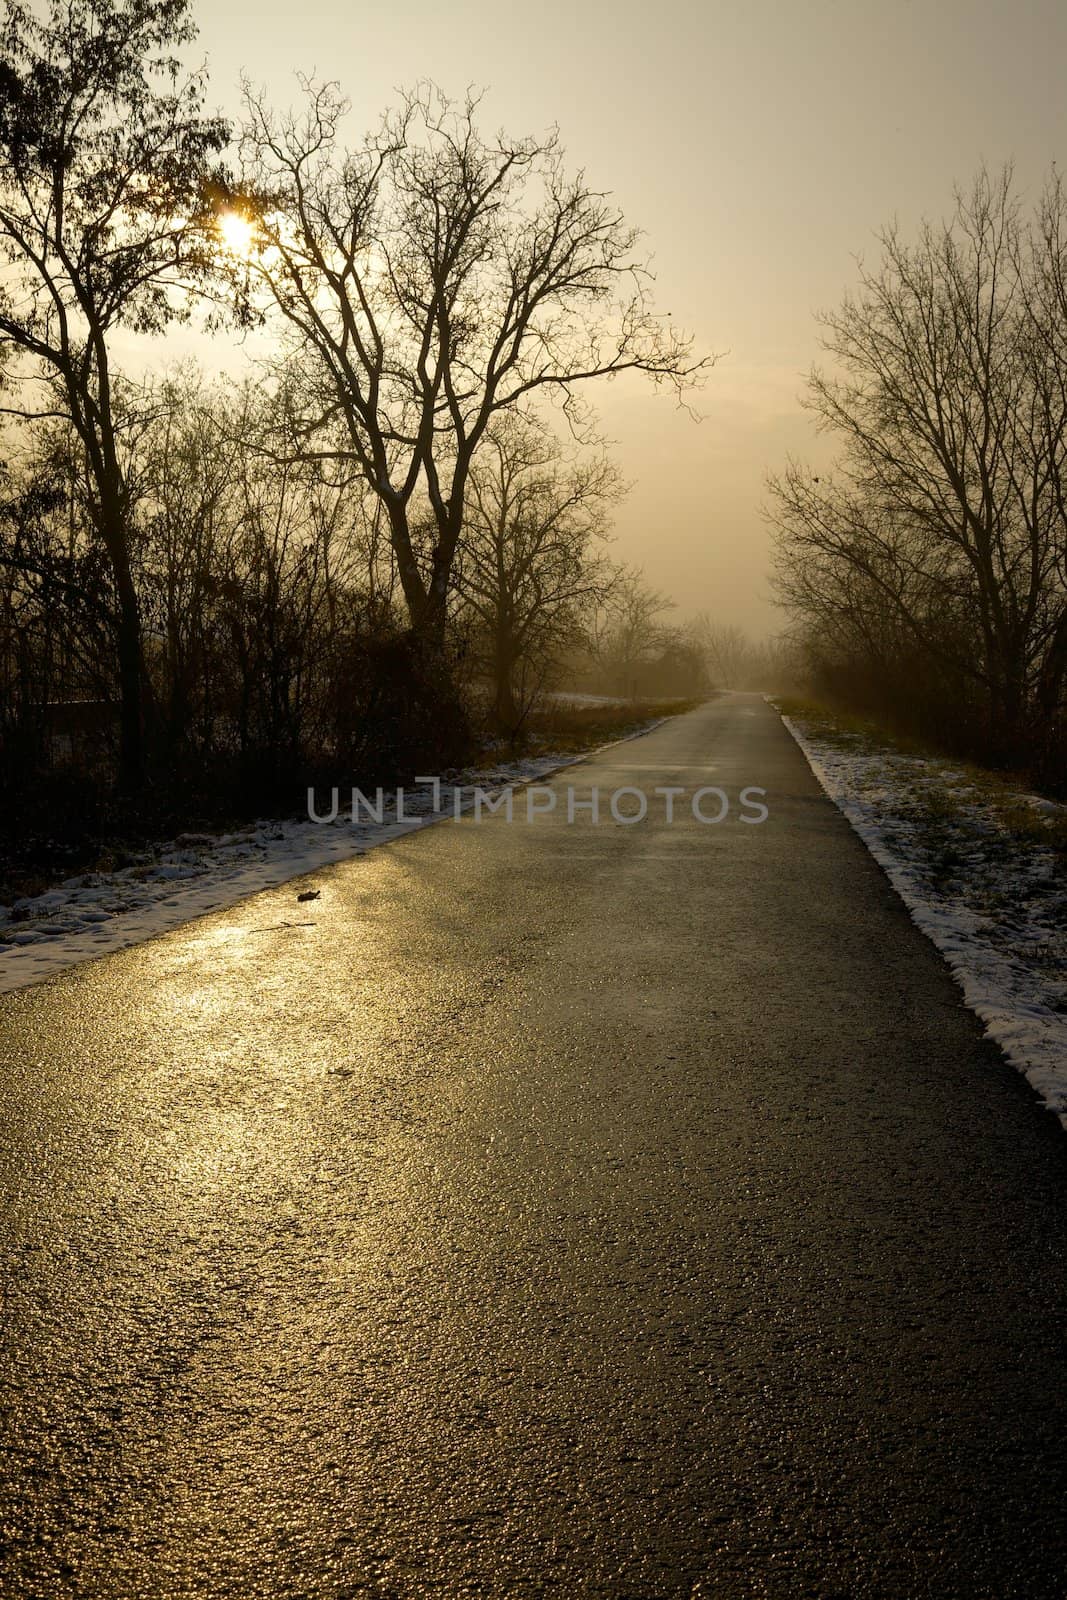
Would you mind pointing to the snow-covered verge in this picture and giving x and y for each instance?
(584, 701)
(982, 870)
(95, 913)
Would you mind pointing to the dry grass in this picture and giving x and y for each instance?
(943, 786)
(570, 728)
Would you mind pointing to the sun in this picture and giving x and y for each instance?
(238, 232)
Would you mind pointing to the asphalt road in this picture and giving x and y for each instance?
(549, 1209)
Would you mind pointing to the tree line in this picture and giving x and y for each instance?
(927, 572)
(407, 495)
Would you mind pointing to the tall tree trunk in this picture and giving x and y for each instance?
(427, 603)
(433, 622)
(130, 665)
(414, 589)
(1008, 730)
(505, 710)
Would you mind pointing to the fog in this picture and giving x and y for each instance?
(758, 146)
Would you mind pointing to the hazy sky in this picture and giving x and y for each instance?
(759, 144)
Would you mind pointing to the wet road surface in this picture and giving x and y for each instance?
(589, 1211)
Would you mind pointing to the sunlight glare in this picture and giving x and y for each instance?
(237, 231)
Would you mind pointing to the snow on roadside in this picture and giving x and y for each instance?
(565, 697)
(95, 913)
(989, 893)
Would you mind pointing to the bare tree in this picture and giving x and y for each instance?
(1047, 309)
(726, 648)
(736, 660)
(528, 564)
(626, 631)
(55, 599)
(943, 524)
(189, 469)
(105, 149)
(433, 279)
(250, 565)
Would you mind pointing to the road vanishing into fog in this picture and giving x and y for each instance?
(548, 1209)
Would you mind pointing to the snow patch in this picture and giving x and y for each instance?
(997, 914)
